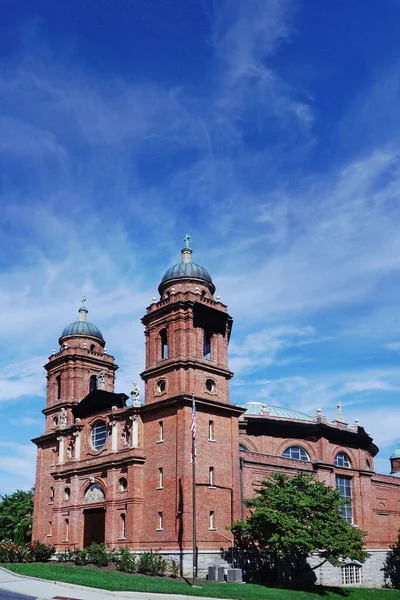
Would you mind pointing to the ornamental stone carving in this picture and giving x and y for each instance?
(94, 493)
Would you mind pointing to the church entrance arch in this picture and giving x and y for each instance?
(94, 516)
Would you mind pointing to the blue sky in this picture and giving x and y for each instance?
(267, 129)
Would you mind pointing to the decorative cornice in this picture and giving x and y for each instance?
(184, 399)
(205, 365)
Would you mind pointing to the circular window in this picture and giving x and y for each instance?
(123, 484)
(67, 493)
(161, 385)
(210, 385)
(99, 435)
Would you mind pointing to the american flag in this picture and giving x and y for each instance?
(193, 425)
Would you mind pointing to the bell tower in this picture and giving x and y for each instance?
(187, 333)
(73, 371)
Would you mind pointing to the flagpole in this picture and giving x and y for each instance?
(194, 510)
(193, 427)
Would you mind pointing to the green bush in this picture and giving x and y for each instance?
(126, 561)
(32, 552)
(80, 556)
(65, 556)
(174, 569)
(151, 563)
(98, 555)
(38, 552)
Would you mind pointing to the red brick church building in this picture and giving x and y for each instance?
(112, 469)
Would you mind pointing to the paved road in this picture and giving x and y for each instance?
(6, 595)
(16, 587)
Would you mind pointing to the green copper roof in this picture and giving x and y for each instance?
(187, 269)
(82, 328)
(257, 408)
(396, 453)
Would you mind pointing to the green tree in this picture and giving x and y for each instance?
(293, 516)
(16, 511)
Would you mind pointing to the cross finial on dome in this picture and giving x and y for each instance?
(83, 311)
(186, 251)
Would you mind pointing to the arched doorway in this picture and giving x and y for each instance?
(94, 517)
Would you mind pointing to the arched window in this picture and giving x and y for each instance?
(123, 484)
(207, 345)
(99, 435)
(123, 526)
(367, 464)
(58, 380)
(164, 343)
(92, 347)
(51, 495)
(67, 493)
(66, 530)
(342, 460)
(296, 452)
(93, 383)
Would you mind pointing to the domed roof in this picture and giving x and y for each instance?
(258, 408)
(186, 269)
(396, 453)
(82, 327)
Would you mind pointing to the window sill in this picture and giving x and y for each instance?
(210, 440)
(159, 441)
(160, 488)
(49, 535)
(122, 539)
(212, 487)
(212, 529)
(63, 542)
(159, 529)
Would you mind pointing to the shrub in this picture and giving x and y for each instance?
(174, 568)
(65, 556)
(38, 552)
(126, 561)
(151, 563)
(98, 555)
(80, 556)
(33, 552)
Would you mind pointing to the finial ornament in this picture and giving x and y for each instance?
(186, 240)
(83, 300)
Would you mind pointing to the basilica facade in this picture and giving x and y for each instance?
(112, 469)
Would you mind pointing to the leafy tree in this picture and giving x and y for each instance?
(16, 511)
(293, 516)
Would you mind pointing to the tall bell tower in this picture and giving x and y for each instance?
(187, 333)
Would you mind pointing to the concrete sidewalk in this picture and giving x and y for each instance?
(31, 587)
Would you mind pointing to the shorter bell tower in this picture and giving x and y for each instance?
(73, 371)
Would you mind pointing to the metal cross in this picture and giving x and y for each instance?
(83, 300)
(186, 240)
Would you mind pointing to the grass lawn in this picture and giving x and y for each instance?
(136, 583)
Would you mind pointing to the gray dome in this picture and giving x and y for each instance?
(187, 269)
(82, 328)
